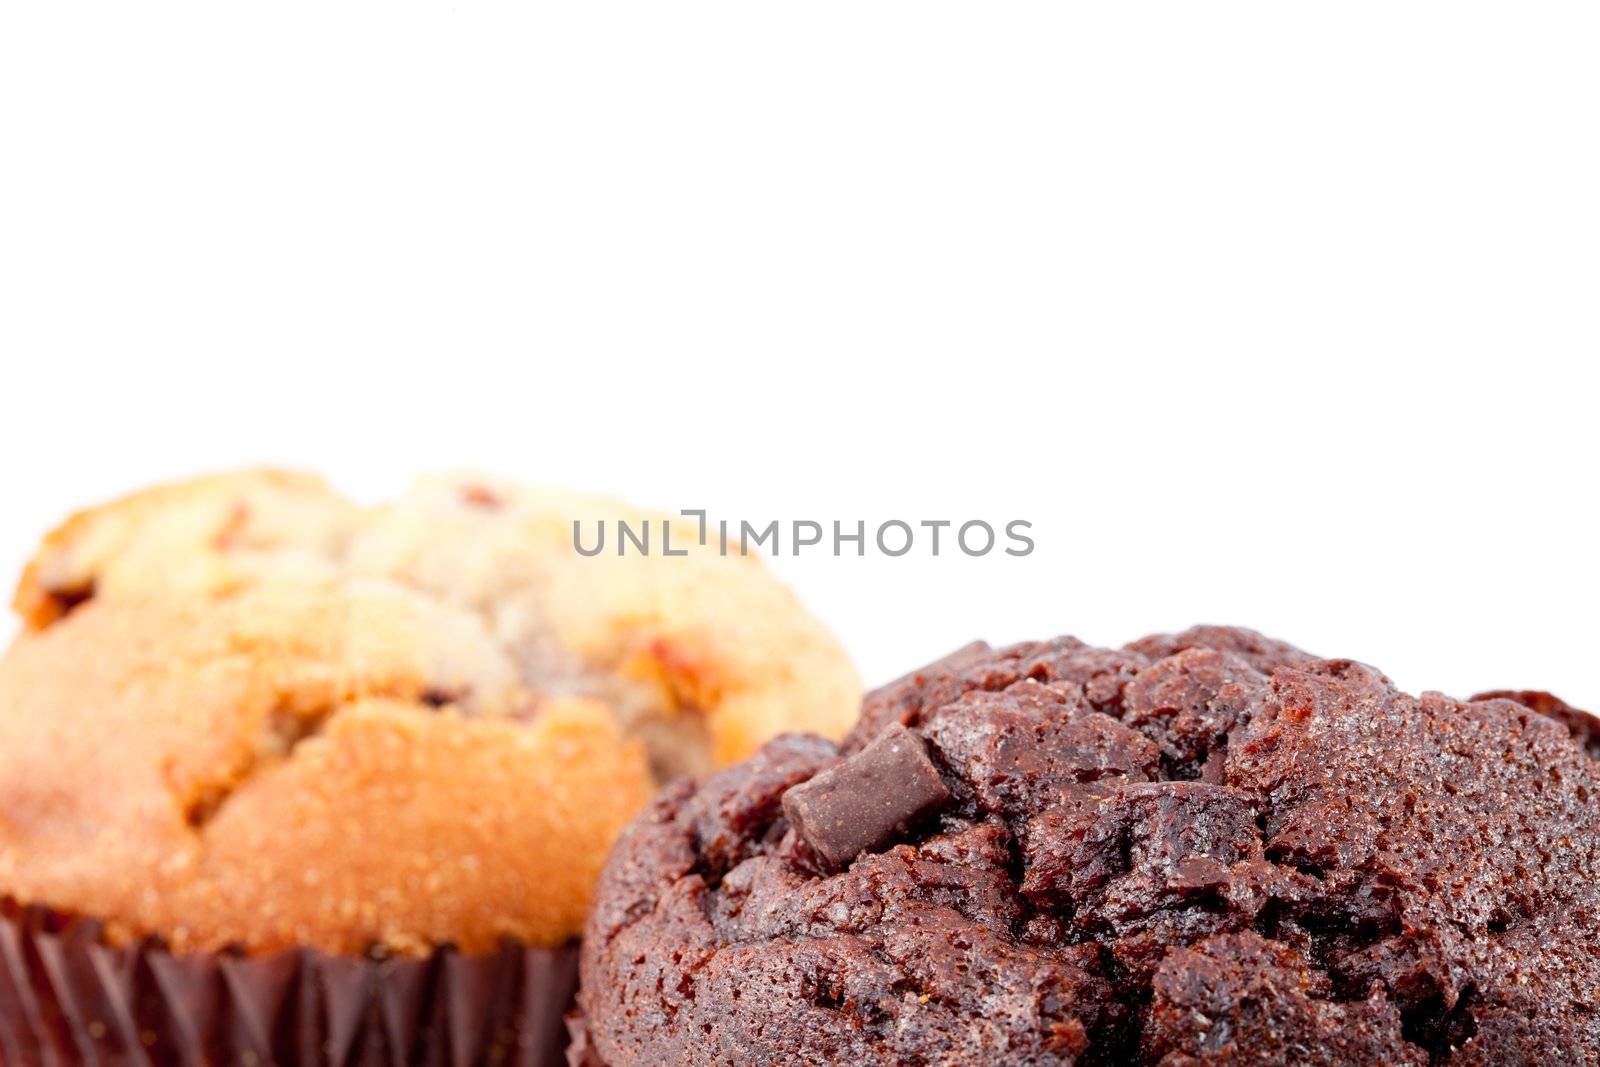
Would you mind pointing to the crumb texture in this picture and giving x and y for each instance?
(1203, 848)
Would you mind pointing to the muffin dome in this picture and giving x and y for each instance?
(1201, 848)
(702, 656)
(247, 712)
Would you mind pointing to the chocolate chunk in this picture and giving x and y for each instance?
(864, 803)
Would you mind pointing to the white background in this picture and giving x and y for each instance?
(1276, 313)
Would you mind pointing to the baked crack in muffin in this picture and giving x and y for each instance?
(251, 720)
(1204, 848)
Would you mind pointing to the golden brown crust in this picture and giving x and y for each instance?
(201, 533)
(268, 771)
(282, 719)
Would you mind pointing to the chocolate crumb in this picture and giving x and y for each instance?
(1584, 727)
(867, 801)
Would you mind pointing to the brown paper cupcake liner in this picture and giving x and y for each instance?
(68, 998)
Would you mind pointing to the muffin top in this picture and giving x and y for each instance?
(246, 711)
(702, 656)
(1201, 848)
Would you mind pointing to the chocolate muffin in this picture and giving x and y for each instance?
(1203, 848)
(285, 779)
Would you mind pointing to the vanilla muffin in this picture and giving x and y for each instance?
(247, 715)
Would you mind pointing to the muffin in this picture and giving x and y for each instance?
(286, 778)
(1204, 848)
